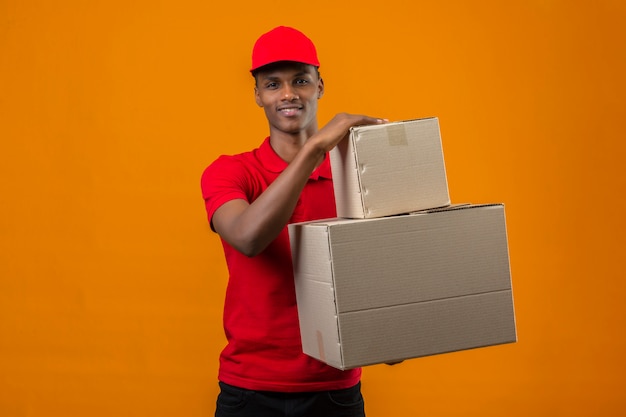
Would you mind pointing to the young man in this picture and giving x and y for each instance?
(250, 198)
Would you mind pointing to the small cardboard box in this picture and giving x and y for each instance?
(389, 169)
(387, 289)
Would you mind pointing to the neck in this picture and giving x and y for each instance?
(287, 145)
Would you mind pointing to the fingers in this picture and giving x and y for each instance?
(338, 128)
(373, 121)
(350, 120)
(342, 122)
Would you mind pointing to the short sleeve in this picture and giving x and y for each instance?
(223, 181)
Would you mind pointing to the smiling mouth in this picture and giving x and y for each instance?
(289, 111)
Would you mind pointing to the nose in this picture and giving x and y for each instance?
(289, 94)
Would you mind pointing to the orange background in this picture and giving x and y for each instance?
(111, 283)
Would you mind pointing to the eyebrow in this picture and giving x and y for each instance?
(270, 75)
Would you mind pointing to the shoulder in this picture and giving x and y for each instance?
(224, 161)
(227, 165)
(252, 163)
(231, 172)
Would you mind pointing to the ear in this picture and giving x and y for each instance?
(320, 88)
(257, 98)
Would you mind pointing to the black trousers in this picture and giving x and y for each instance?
(237, 402)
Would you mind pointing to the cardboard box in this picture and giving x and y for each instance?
(387, 289)
(384, 170)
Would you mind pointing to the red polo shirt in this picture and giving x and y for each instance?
(264, 351)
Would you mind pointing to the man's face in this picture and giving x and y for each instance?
(288, 92)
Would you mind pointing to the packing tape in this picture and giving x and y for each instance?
(396, 135)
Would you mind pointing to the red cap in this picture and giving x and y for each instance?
(283, 44)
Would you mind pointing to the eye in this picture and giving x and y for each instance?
(301, 81)
(271, 85)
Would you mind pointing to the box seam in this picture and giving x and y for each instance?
(434, 300)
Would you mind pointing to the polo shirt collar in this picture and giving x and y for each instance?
(276, 164)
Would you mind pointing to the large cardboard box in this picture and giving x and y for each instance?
(387, 289)
(389, 169)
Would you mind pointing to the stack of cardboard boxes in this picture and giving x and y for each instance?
(400, 273)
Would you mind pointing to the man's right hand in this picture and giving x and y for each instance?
(339, 127)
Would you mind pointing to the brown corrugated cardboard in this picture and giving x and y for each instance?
(389, 169)
(387, 289)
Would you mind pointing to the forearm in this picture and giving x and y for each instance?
(249, 228)
(256, 225)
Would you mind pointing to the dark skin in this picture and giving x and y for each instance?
(288, 93)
